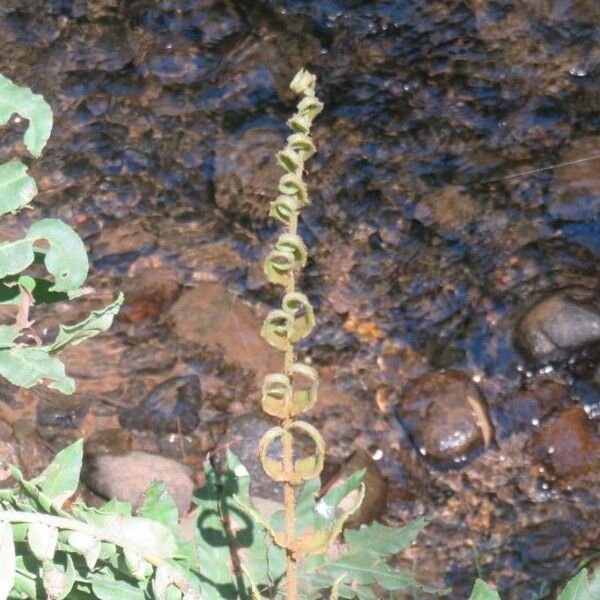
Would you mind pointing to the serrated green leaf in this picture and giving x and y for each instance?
(61, 477)
(161, 582)
(7, 335)
(326, 508)
(364, 564)
(58, 581)
(378, 540)
(358, 570)
(595, 585)
(159, 506)
(577, 588)
(17, 188)
(15, 256)
(105, 587)
(97, 322)
(139, 568)
(7, 560)
(27, 366)
(216, 506)
(117, 506)
(33, 107)
(42, 540)
(87, 545)
(25, 581)
(143, 536)
(27, 282)
(482, 591)
(66, 259)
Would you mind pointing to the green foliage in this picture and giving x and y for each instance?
(19, 100)
(482, 591)
(106, 553)
(24, 360)
(580, 587)
(53, 546)
(48, 551)
(227, 534)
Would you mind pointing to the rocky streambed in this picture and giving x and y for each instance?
(458, 306)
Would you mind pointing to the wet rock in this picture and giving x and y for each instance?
(95, 365)
(58, 410)
(242, 437)
(526, 409)
(210, 316)
(449, 211)
(151, 356)
(108, 441)
(546, 265)
(34, 455)
(567, 444)
(539, 544)
(98, 48)
(445, 416)
(8, 393)
(246, 173)
(126, 477)
(149, 295)
(374, 502)
(9, 455)
(172, 406)
(121, 243)
(575, 192)
(559, 325)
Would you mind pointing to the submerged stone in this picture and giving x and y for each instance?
(525, 409)
(172, 406)
(149, 295)
(567, 444)
(445, 416)
(559, 325)
(242, 437)
(126, 477)
(374, 502)
(58, 410)
(210, 316)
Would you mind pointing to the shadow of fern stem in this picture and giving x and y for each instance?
(287, 394)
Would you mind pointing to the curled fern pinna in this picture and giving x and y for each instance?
(288, 394)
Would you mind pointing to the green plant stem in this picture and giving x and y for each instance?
(13, 516)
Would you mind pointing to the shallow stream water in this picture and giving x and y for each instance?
(434, 227)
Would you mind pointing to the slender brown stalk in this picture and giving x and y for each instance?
(294, 321)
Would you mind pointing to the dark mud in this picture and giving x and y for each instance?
(425, 252)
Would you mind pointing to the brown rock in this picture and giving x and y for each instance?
(559, 325)
(576, 187)
(448, 210)
(149, 295)
(445, 415)
(242, 437)
(527, 408)
(210, 316)
(171, 406)
(128, 237)
(567, 444)
(108, 441)
(8, 454)
(126, 477)
(246, 172)
(374, 502)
